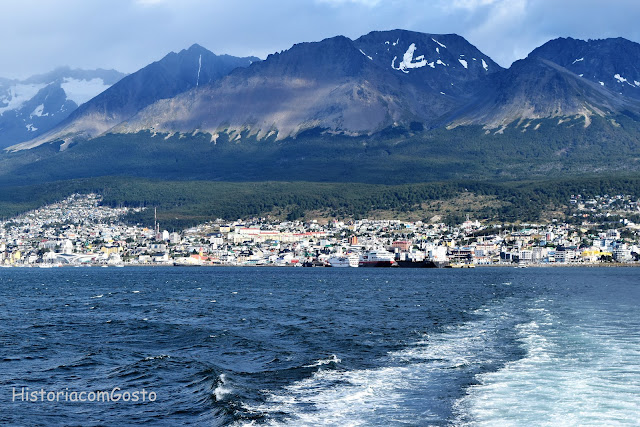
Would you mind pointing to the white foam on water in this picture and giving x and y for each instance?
(222, 389)
(160, 357)
(575, 373)
(320, 362)
(397, 393)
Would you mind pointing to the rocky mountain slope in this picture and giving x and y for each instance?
(166, 78)
(356, 87)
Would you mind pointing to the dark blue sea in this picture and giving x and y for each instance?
(313, 346)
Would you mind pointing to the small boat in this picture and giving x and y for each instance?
(460, 265)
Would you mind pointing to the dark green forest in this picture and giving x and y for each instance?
(522, 173)
(184, 203)
(393, 156)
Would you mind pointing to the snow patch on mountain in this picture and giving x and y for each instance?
(463, 62)
(199, 68)
(365, 54)
(441, 45)
(18, 95)
(80, 91)
(577, 60)
(484, 65)
(408, 60)
(37, 112)
(619, 78)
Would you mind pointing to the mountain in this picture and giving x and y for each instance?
(536, 88)
(446, 63)
(612, 63)
(389, 107)
(356, 87)
(31, 107)
(546, 84)
(166, 78)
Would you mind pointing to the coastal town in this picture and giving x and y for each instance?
(79, 231)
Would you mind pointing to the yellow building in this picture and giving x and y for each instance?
(593, 254)
(15, 256)
(108, 250)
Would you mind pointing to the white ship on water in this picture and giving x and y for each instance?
(377, 258)
(349, 260)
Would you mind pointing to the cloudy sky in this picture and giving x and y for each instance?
(39, 35)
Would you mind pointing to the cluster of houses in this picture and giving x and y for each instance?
(79, 231)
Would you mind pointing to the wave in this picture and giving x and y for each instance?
(222, 388)
(415, 383)
(575, 372)
(321, 362)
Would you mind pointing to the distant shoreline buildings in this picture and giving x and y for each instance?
(78, 231)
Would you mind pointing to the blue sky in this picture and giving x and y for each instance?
(39, 35)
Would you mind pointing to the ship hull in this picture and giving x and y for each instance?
(422, 264)
(376, 264)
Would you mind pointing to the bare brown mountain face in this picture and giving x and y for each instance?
(354, 87)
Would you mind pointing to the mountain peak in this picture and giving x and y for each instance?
(613, 62)
(166, 78)
(197, 49)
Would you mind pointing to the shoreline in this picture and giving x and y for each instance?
(548, 265)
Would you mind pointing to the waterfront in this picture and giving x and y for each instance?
(324, 347)
(80, 231)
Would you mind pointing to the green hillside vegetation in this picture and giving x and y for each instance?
(185, 203)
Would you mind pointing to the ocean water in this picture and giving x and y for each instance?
(340, 347)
